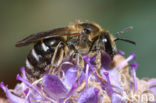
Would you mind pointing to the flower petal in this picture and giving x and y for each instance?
(90, 95)
(109, 87)
(117, 99)
(131, 57)
(153, 89)
(70, 77)
(23, 73)
(105, 59)
(134, 67)
(53, 87)
(152, 85)
(18, 77)
(121, 53)
(90, 61)
(113, 76)
(12, 98)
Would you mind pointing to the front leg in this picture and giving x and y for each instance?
(95, 45)
(72, 45)
(76, 56)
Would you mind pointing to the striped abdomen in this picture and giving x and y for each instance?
(40, 57)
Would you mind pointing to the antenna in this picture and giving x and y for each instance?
(123, 31)
(125, 40)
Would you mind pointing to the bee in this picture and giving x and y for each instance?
(50, 47)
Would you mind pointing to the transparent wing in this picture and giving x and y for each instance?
(44, 35)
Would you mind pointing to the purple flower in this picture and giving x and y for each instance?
(101, 80)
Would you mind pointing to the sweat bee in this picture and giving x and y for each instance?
(54, 45)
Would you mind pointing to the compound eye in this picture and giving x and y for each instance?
(86, 31)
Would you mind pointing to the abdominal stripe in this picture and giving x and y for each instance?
(40, 57)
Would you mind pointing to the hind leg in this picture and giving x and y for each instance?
(58, 56)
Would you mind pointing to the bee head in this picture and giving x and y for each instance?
(106, 42)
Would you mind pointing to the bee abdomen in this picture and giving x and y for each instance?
(40, 57)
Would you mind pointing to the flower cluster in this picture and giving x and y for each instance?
(101, 80)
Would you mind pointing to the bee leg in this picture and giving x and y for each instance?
(72, 47)
(76, 56)
(57, 57)
(78, 60)
(75, 52)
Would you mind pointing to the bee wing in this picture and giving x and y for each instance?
(44, 35)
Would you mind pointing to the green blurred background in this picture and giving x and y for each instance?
(20, 18)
